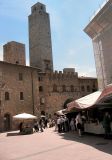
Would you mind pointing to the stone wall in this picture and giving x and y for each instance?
(14, 52)
(57, 87)
(11, 84)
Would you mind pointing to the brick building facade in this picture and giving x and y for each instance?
(18, 91)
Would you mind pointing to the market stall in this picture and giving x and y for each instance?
(93, 106)
(25, 128)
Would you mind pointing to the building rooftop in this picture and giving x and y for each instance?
(100, 20)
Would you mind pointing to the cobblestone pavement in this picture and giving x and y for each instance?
(50, 145)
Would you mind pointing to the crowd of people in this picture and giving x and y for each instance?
(64, 124)
(38, 125)
(61, 123)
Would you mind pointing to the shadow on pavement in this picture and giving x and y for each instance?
(95, 141)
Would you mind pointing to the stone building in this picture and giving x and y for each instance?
(37, 87)
(99, 30)
(18, 92)
(55, 88)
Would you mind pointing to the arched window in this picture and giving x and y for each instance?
(6, 96)
(64, 88)
(54, 88)
(72, 88)
(40, 89)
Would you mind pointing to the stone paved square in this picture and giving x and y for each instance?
(50, 145)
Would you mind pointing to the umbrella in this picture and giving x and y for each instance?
(24, 116)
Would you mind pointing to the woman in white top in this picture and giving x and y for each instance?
(79, 123)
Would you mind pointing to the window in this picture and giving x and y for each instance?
(72, 88)
(82, 88)
(47, 64)
(40, 12)
(6, 96)
(64, 88)
(21, 96)
(54, 88)
(20, 76)
(40, 78)
(88, 88)
(41, 7)
(40, 89)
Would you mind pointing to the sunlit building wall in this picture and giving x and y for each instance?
(100, 31)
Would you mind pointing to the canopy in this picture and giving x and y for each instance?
(91, 99)
(107, 92)
(24, 116)
(85, 101)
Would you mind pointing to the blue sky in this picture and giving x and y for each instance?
(71, 46)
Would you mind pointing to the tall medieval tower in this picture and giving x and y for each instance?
(40, 46)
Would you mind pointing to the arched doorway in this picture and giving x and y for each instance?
(7, 122)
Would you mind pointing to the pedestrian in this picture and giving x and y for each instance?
(107, 125)
(41, 124)
(55, 122)
(36, 126)
(79, 124)
(59, 124)
(72, 124)
(66, 124)
(21, 127)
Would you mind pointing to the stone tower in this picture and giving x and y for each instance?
(14, 52)
(40, 47)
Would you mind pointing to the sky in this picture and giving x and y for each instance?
(71, 46)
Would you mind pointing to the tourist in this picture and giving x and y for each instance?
(36, 126)
(107, 125)
(59, 124)
(41, 124)
(79, 124)
(21, 127)
(72, 124)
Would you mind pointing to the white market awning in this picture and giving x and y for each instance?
(91, 99)
(24, 116)
(85, 102)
